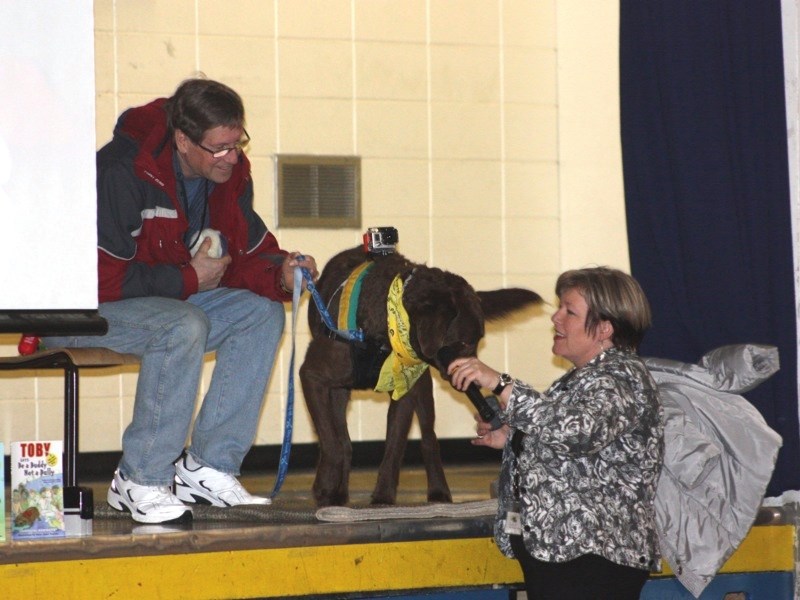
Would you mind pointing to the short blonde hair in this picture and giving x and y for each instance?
(613, 296)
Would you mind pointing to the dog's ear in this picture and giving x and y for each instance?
(455, 318)
(431, 326)
(497, 304)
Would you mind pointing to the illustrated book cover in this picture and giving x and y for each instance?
(37, 486)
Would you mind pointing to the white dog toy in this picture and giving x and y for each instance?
(217, 243)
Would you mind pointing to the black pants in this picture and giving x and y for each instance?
(588, 577)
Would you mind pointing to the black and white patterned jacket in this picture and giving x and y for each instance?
(589, 463)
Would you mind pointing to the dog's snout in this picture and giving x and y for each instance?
(449, 353)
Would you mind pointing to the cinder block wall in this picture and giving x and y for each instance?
(488, 132)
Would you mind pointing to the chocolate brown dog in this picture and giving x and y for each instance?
(443, 311)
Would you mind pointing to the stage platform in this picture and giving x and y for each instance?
(285, 551)
(275, 552)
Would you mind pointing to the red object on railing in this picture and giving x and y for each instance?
(28, 344)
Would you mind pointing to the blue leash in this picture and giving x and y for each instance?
(350, 334)
(286, 446)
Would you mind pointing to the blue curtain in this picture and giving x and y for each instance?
(707, 188)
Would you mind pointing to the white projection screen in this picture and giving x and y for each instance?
(48, 237)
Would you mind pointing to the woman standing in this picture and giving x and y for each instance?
(581, 460)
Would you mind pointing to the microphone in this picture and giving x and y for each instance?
(487, 407)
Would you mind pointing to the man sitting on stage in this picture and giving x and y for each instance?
(174, 169)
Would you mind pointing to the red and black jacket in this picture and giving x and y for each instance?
(141, 223)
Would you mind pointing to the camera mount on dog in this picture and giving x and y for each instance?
(380, 240)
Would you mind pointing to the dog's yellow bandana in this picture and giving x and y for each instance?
(402, 367)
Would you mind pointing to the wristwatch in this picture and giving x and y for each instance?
(505, 380)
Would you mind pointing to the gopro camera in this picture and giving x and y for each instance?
(380, 240)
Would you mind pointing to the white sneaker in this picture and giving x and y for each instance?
(146, 503)
(203, 485)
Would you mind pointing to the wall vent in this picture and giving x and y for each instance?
(318, 191)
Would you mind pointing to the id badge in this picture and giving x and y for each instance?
(513, 520)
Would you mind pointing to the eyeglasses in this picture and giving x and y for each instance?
(220, 152)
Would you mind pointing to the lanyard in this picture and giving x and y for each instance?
(516, 450)
(189, 212)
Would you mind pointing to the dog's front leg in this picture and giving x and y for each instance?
(398, 424)
(438, 490)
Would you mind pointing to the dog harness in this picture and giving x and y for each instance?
(351, 290)
(402, 367)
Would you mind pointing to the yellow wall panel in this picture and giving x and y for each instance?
(391, 20)
(486, 129)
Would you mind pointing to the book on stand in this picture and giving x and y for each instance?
(37, 490)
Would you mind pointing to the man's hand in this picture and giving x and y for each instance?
(209, 270)
(293, 261)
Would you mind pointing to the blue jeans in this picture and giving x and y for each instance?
(172, 338)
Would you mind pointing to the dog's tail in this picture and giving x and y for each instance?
(497, 304)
